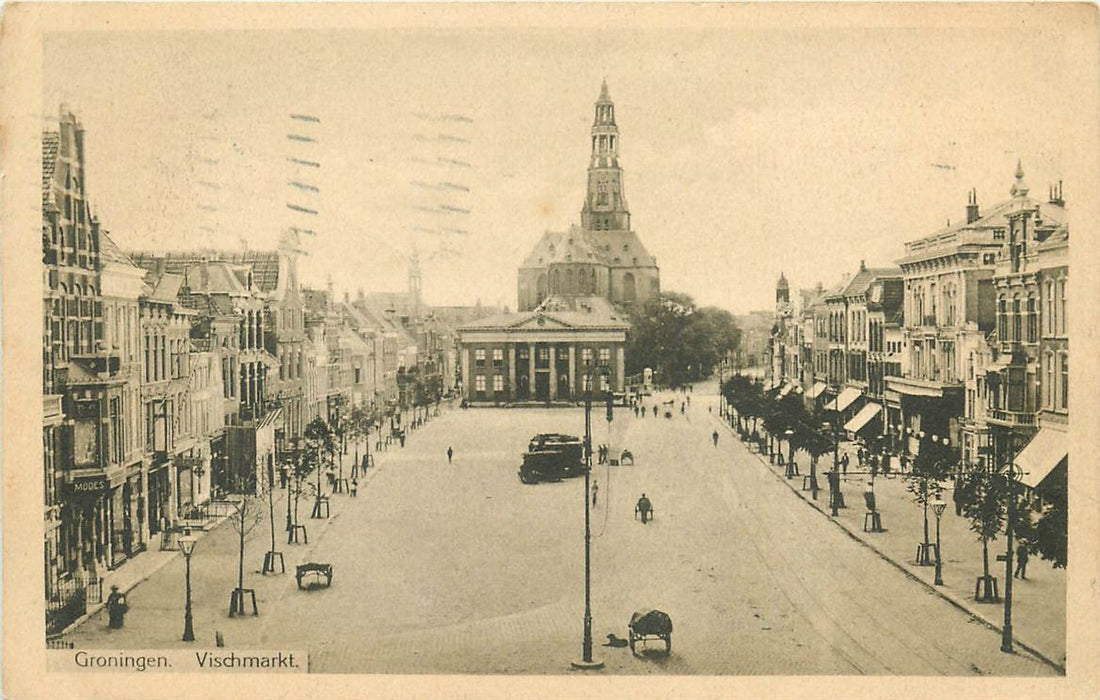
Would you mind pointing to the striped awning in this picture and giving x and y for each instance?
(1040, 456)
(862, 419)
(844, 400)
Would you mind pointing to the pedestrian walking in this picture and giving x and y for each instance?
(595, 490)
(844, 464)
(116, 608)
(682, 407)
(714, 437)
(354, 487)
(654, 410)
(1021, 561)
(644, 508)
(450, 453)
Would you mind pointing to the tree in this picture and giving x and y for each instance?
(984, 505)
(249, 515)
(679, 340)
(933, 463)
(1051, 531)
(317, 449)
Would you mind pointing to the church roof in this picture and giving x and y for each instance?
(610, 248)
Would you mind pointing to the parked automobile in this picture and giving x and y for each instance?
(552, 457)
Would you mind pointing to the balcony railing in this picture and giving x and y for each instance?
(1012, 417)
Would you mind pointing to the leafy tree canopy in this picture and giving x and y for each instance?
(679, 340)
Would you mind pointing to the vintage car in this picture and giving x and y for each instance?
(552, 457)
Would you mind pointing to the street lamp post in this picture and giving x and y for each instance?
(792, 468)
(187, 546)
(587, 662)
(1012, 474)
(937, 507)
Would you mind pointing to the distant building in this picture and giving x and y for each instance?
(603, 256)
(544, 355)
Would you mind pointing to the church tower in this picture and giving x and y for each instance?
(605, 207)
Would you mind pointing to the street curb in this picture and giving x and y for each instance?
(974, 615)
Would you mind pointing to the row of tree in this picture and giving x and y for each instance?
(680, 341)
(322, 446)
(985, 495)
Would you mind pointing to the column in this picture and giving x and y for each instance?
(620, 368)
(512, 371)
(467, 380)
(572, 369)
(530, 370)
(553, 372)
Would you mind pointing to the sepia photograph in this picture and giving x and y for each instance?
(574, 342)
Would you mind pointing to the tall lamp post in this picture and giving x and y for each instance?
(587, 662)
(187, 546)
(938, 507)
(1012, 474)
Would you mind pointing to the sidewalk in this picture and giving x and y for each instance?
(212, 540)
(1038, 603)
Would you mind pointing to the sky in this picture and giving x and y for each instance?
(747, 151)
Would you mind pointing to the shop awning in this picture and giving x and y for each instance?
(862, 419)
(818, 387)
(788, 388)
(1040, 456)
(844, 400)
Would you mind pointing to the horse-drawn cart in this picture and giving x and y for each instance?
(650, 624)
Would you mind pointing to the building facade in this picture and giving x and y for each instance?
(544, 355)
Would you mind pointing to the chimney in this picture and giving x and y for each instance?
(1056, 195)
(972, 213)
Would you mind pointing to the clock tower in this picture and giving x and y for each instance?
(605, 207)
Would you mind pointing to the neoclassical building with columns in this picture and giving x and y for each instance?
(544, 355)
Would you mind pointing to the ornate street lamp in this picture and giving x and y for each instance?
(187, 546)
(937, 507)
(587, 662)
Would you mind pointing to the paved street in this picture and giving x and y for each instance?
(462, 569)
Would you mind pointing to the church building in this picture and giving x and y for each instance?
(603, 256)
(576, 289)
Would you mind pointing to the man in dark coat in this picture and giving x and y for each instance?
(644, 508)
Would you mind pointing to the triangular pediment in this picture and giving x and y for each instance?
(540, 320)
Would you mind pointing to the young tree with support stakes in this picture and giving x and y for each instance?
(248, 516)
(934, 462)
(317, 448)
(298, 466)
(811, 438)
(984, 505)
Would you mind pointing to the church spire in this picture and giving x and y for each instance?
(605, 207)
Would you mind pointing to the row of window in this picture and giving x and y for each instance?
(480, 383)
(542, 354)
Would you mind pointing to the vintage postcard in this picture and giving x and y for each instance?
(571, 350)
